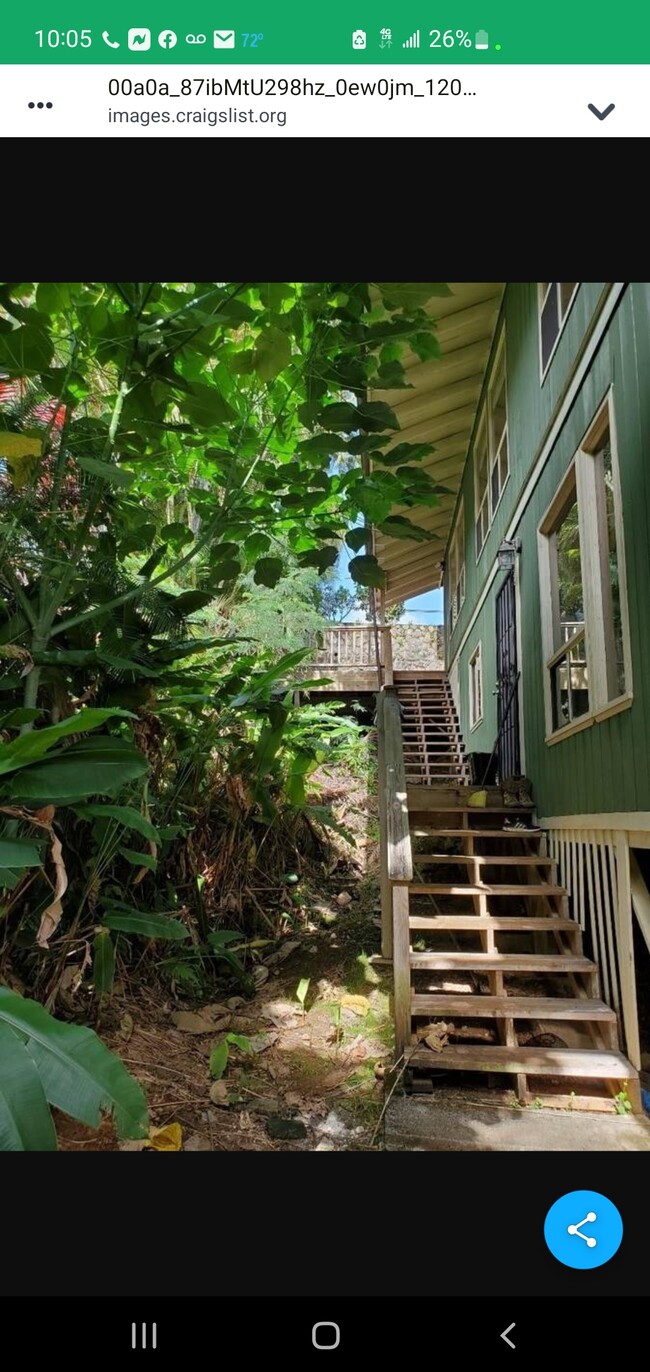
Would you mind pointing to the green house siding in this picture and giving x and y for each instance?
(605, 767)
(530, 407)
(481, 739)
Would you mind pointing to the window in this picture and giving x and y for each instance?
(555, 300)
(457, 568)
(582, 582)
(476, 687)
(491, 461)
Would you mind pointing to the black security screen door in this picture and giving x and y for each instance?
(507, 678)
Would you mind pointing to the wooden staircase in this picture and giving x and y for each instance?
(433, 747)
(489, 966)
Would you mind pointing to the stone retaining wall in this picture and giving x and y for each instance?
(418, 645)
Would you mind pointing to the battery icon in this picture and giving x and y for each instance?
(481, 40)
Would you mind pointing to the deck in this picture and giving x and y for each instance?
(364, 658)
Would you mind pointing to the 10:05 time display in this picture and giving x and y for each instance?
(71, 38)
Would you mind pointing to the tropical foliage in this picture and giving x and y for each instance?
(167, 450)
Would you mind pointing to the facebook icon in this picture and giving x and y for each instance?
(167, 38)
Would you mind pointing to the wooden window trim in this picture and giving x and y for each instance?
(584, 479)
(457, 565)
(476, 658)
(544, 370)
(484, 429)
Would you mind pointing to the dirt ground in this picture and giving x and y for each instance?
(304, 1078)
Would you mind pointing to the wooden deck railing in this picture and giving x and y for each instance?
(396, 860)
(355, 645)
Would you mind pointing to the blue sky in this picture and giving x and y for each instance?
(421, 609)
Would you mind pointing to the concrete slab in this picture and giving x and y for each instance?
(414, 1124)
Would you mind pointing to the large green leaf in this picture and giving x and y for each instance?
(366, 571)
(148, 924)
(27, 349)
(206, 406)
(399, 527)
(268, 571)
(115, 476)
(130, 818)
(103, 962)
(25, 1121)
(29, 747)
(13, 853)
(138, 859)
(272, 353)
(94, 768)
(410, 295)
(78, 1073)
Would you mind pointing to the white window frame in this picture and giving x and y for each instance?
(484, 431)
(475, 668)
(584, 474)
(562, 317)
(457, 567)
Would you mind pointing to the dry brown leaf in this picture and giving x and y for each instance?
(51, 917)
(197, 1144)
(219, 1093)
(190, 1022)
(437, 1037)
(126, 1026)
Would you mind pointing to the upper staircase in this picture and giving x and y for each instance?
(490, 972)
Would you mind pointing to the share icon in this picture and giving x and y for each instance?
(601, 1229)
(577, 1229)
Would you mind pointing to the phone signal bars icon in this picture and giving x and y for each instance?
(413, 41)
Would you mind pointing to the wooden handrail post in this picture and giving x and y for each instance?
(384, 884)
(397, 870)
(388, 655)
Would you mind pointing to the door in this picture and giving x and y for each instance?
(508, 755)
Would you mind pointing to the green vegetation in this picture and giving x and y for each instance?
(179, 466)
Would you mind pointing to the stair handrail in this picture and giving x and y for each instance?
(396, 857)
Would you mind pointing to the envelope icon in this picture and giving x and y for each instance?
(225, 39)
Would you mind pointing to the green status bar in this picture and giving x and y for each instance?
(343, 32)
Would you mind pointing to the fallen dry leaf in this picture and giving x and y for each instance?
(358, 1004)
(283, 953)
(437, 1037)
(219, 1093)
(344, 898)
(260, 975)
(191, 1022)
(169, 1139)
(197, 1144)
(126, 1026)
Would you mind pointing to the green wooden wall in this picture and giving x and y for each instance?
(605, 767)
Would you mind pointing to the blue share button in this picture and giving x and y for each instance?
(583, 1229)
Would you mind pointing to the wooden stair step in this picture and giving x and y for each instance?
(534, 1062)
(544, 963)
(422, 831)
(511, 1007)
(515, 923)
(484, 889)
(450, 809)
(484, 860)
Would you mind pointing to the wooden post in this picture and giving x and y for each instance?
(399, 865)
(384, 883)
(402, 968)
(626, 949)
(388, 655)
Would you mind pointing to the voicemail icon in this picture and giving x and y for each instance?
(224, 40)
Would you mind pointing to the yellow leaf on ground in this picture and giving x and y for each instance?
(358, 1004)
(169, 1139)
